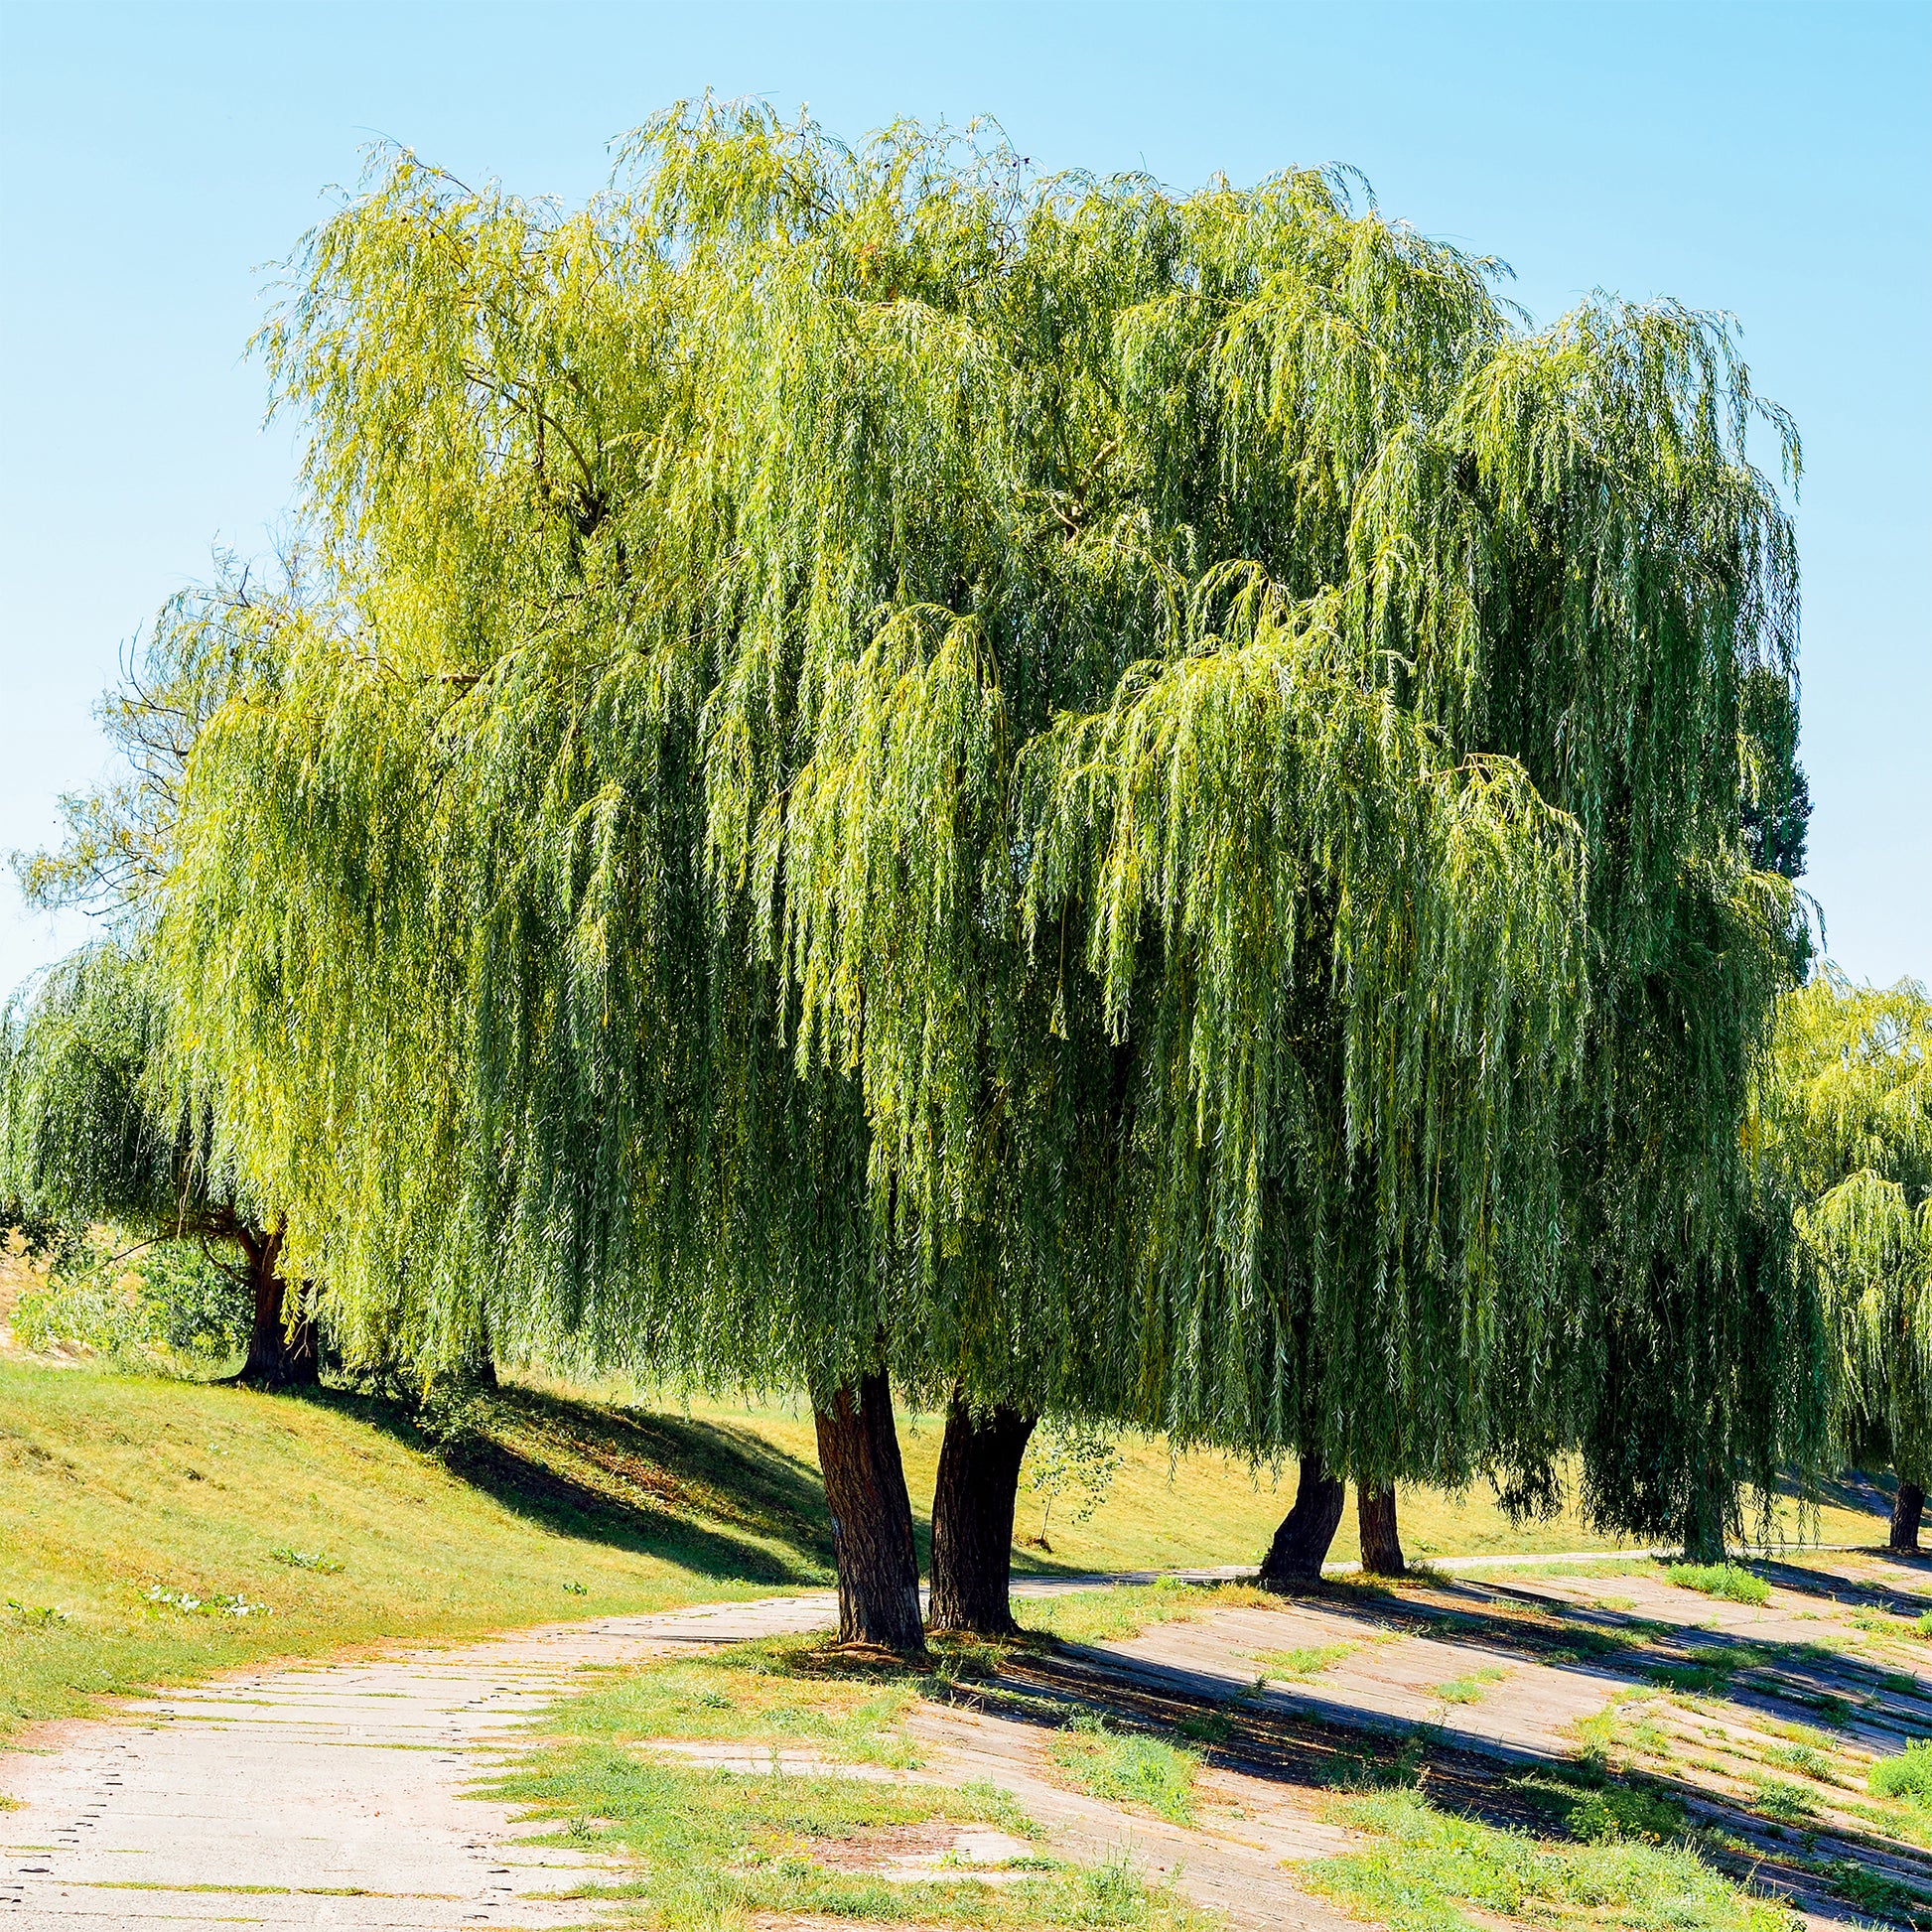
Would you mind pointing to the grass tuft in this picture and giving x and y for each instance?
(1908, 1775)
(1127, 1768)
(1728, 1581)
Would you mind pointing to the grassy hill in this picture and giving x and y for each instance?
(153, 1530)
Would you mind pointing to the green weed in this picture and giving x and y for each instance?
(1804, 1758)
(1782, 1802)
(711, 1848)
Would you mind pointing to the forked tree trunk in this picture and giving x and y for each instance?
(871, 1519)
(1906, 1509)
(972, 1518)
(1381, 1546)
(279, 1356)
(1302, 1541)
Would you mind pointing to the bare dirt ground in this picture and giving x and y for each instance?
(334, 1795)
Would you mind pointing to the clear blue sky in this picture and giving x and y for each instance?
(1771, 160)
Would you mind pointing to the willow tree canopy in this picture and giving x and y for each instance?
(1129, 795)
(1845, 1119)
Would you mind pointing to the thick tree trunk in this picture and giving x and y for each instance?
(972, 1518)
(871, 1519)
(1906, 1509)
(1381, 1546)
(279, 1357)
(1307, 1530)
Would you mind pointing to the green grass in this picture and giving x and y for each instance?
(1728, 1581)
(1112, 1616)
(1428, 1872)
(1908, 1775)
(1470, 1688)
(138, 1516)
(1806, 1759)
(1127, 1768)
(710, 1848)
(1310, 1660)
(1781, 1801)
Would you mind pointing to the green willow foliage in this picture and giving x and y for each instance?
(1843, 1119)
(90, 1124)
(1133, 798)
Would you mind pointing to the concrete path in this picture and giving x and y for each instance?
(331, 1794)
(328, 1795)
(334, 1794)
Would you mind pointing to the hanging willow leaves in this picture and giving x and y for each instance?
(1120, 800)
(1844, 1120)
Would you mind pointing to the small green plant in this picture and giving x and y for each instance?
(1205, 1726)
(160, 1598)
(576, 1589)
(1068, 1456)
(1908, 1775)
(1469, 1689)
(1616, 1813)
(1805, 1758)
(307, 1560)
(1422, 1868)
(1728, 1581)
(44, 1614)
(1782, 1802)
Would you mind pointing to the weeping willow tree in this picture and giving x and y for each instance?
(1076, 797)
(93, 1128)
(98, 1120)
(1843, 1126)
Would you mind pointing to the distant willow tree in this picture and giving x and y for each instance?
(93, 1129)
(1082, 797)
(1844, 1124)
(98, 1119)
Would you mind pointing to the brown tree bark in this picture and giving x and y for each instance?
(279, 1357)
(1906, 1509)
(972, 1518)
(1381, 1546)
(871, 1519)
(1295, 1557)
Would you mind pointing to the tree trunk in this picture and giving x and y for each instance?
(871, 1519)
(1307, 1530)
(972, 1518)
(278, 1357)
(1907, 1507)
(1704, 1523)
(1381, 1547)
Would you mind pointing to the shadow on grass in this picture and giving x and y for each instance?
(713, 1499)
